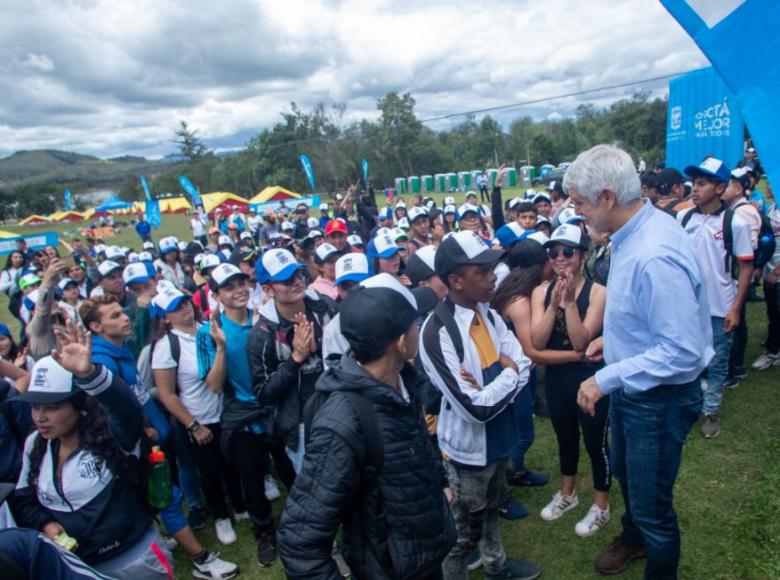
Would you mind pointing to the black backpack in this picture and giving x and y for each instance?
(766, 240)
(375, 456)
(728, 235)
(444, 312)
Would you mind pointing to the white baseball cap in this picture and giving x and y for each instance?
(245, 236)
(403, 223)
(115, 253)
(62, 284)
(148, 246)
(277, 265)
(383, 246)
(168, 244)
(225, 241)
(399, 235)
(50, 383)
(223, 274)
(312, 222)
(208, 261)
(287, 225)
(323, 207)
(325, 252)
(569, 216)
(132, 257)
(568, 235)
(168, 299)
(182, 246)
(462, 248)
(137, 272)
(466, 208)
(107, 267)
(145, 257)
(449, 200)
(352, 267)
(416, 213)
(100, 248)
(450, 208)
(355, 240)
(400, 203)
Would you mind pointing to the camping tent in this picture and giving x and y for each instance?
(167, 205)
(113, 203)
(66, 216)
(224, 201)
(87, 213)
(274, 193)
(8, 235)
(34, 220)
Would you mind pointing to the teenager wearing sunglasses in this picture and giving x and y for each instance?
(567, 313)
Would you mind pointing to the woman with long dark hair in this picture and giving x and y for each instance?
(9, 277)
(567, 314)
(81, 472)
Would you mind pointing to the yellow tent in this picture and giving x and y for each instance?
(174, 205)
(88, 213)
(223, 200)
(6, 235)
(56, 216)
(274, 193)
(34, 220)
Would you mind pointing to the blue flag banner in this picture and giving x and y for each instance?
(365, 172)
(36, 241)
(147, 189)
(740, 39)
(153, 213)
(68, 200)
(703, 119)
(308, 170)
(191, 190)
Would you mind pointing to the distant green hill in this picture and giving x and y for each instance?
(58, 168)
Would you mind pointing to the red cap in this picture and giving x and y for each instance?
(156, 456)
(335, 225)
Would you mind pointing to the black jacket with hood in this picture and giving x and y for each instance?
(276, 377)
(399, 528)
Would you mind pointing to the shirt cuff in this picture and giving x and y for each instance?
(608, 379)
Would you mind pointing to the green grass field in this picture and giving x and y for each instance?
(726, 496)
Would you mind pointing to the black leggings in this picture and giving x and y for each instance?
(250, 455)
(561, 386)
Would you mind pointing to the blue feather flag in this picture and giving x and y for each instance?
(308, 170)
(68, 200)
(364, 165)
(147, 189)
(191, 190)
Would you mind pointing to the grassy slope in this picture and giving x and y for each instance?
(726, 493)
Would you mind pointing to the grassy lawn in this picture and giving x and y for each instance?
(726, 495)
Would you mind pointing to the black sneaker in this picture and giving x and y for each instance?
(266, 550)
(517, 570)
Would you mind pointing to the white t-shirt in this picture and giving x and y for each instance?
(706, 232)
(254, 222)
(198, 229)
(774, 218)
(749, 214)
(202, 403)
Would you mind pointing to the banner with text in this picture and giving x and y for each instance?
(34, 241)
(703, 119)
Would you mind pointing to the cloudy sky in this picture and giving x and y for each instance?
(109, 77)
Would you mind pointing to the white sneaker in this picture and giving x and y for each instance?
(171, 544)
(225, 532)
(559, 505)
(241, 516)
(271, 489)
(765, 361)
(214, 568)
(594, 520)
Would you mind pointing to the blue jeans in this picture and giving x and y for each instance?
(718, 369)
(524, 412)
(648, 433)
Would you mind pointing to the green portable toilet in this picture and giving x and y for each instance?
(545, 169)
(510, 177)
(427, 182)
(491, 175)
(414, 184)
(400, 185)
(464, 180)
(475, 173)
(440, 182)
(452, 181)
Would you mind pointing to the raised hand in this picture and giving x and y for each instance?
(75, 351)
(215, 330)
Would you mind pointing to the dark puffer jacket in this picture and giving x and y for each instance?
(402, 528)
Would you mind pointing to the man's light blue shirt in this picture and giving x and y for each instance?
(657, 328)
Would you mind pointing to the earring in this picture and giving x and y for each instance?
(83, 413)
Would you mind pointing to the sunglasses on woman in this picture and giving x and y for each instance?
(555, 252)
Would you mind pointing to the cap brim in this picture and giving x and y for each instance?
(287, 272)
(354, 277)
(569, 243)
(137, 280)
(174, 304)
(389, 252)
(326, 258)
(696, 171)
(230, 278)
(426, 299)
(38, 398)
(111, 271)
(486, 257)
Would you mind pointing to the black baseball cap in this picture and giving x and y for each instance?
(666, 178)
(526, 253)
(463, 248)
(421, 266)
(377, 312)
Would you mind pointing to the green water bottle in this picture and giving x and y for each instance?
(160, 491)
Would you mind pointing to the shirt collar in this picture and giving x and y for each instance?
(632, 225)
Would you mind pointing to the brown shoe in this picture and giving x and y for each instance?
(617, 556)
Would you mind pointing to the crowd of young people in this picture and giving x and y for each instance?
(383, 362)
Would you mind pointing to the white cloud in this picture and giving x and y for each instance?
(110, 77)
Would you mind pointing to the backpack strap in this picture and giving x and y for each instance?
(444, 312)
(728, 238)
(687, 217)
(372, 466)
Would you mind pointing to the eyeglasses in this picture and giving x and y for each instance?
(297, 277)
(554, 252)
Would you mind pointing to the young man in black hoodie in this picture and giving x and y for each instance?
(389, 496)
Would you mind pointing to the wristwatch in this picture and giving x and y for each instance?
(194, 426)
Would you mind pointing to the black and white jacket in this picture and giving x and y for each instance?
(95, 506)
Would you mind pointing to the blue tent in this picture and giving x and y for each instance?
(113, 203)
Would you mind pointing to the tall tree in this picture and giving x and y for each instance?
(190, 145)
